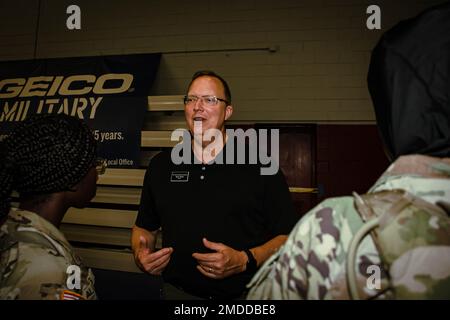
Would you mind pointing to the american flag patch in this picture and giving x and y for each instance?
(70, 295)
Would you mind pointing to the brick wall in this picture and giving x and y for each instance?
(317, 74)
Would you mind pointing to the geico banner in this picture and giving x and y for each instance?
(108, 92)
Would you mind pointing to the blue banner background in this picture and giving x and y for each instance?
(116, 118)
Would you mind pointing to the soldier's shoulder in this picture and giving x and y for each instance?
(333, 208)
(333, 212)
(33, 269)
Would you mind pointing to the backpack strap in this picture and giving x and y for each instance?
(374, 209)
(351, 256)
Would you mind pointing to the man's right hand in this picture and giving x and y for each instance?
(152, 262)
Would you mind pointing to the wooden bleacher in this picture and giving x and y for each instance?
(101, 233)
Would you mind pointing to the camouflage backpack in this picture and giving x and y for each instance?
(412, 237)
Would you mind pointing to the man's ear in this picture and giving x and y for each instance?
(228, 111)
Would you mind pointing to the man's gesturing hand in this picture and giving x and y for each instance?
(222, 263)
(152, 262)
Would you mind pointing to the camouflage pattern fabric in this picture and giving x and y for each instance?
(34, 257)
(407, 257)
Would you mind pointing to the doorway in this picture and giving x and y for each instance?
(297, 151)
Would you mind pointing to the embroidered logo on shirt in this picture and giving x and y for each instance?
(179, 176)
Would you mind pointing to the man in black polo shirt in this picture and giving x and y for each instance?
(220, 222)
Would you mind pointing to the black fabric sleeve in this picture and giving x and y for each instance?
(278, 206)
(147, 217)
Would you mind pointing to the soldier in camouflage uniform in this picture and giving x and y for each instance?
(35, 257)
(394, 241)
(36, 261)
(413, 228)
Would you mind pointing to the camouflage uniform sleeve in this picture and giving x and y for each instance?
(273, 279)
(34, 273)
(37, 274)
(311, 264)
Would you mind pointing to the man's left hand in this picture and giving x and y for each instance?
(222, 263)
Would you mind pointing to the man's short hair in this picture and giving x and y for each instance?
(208, 73)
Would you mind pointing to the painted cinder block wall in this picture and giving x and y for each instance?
(316, 72)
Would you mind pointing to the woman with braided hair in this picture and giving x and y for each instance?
(50, 160)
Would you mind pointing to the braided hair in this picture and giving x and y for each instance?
(44, 154)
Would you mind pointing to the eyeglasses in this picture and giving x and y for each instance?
(100, 165)
(206, 100)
